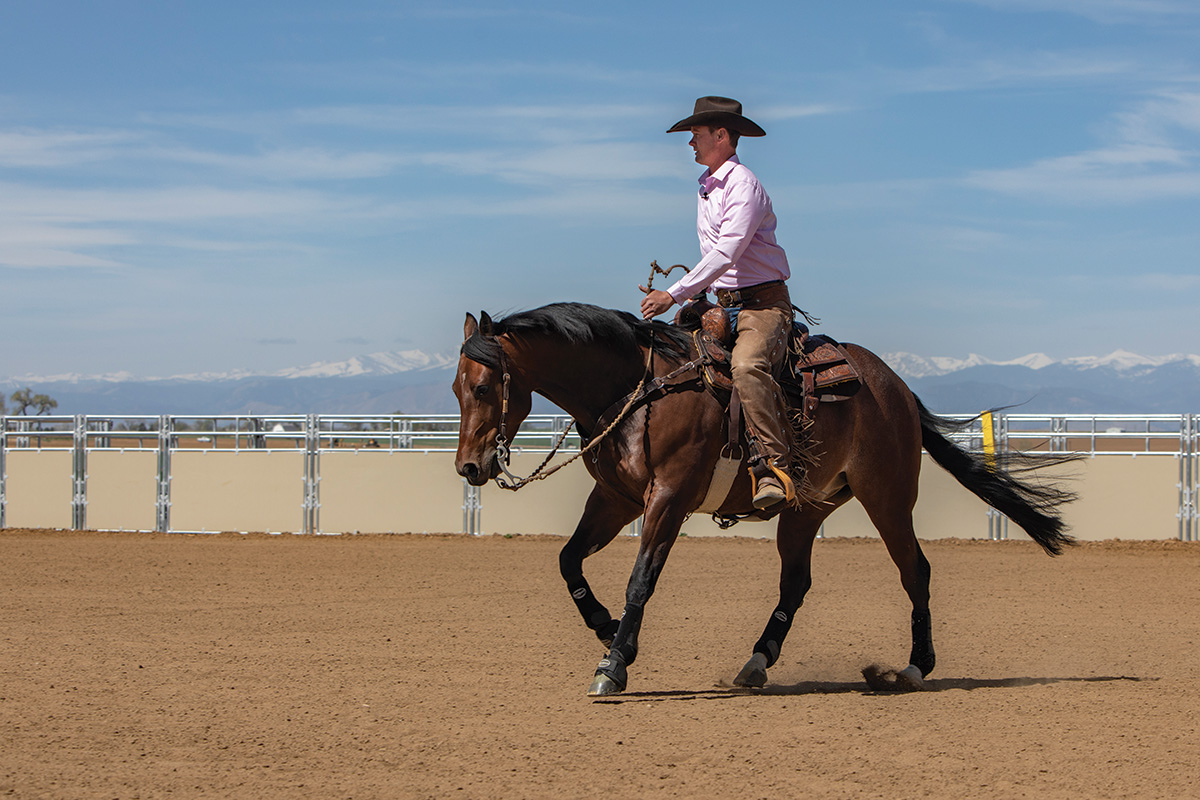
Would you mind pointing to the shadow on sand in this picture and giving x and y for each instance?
(729, 692)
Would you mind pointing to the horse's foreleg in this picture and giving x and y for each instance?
(604, 515)
(658, 534)
(794, 541)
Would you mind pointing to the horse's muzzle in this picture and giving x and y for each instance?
(478, 475)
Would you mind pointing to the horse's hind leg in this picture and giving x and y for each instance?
(896, 529)
(604, 515)
(794, 540)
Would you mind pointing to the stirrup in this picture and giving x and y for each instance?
(785, 481)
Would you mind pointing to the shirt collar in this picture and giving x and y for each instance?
(710, 179)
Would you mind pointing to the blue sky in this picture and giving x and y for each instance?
(210, 186)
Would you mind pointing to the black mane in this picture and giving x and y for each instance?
(580, 324)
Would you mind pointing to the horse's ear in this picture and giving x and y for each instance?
(470, 326)
(485, 324)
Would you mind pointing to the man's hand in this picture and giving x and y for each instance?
(655, 302)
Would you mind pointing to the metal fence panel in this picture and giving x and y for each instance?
(342, 473)
(223, 490)
(121, 490)
(380, 491)
(39, 489)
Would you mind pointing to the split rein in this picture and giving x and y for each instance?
(503, 453)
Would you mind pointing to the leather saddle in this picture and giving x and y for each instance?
(817, 369)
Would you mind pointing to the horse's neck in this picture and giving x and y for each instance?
(582, 381)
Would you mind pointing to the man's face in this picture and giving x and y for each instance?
(711, 145)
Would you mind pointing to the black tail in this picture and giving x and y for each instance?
(1033, 507)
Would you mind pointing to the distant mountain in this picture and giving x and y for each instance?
(908, 365)
(1118, 383)
(373, 365)
(410, 382)
(413, 382)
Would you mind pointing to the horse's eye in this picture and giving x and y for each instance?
(480, 391)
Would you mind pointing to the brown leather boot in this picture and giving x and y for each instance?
(769, 493)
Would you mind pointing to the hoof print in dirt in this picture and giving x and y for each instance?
(881, 679)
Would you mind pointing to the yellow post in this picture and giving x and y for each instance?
(989, 440)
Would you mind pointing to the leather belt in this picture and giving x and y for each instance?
(732, 298)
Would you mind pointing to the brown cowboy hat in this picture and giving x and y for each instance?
(718, 112)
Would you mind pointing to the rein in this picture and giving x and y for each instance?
(503, 453)
(655, 269)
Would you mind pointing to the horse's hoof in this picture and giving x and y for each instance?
(888, 680)
(602, 686)
(754, 674)
(909, 679)
(610, 678)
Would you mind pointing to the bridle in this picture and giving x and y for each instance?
(663, 384)
(503, 453)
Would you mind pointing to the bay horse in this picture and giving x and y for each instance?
(657, 459)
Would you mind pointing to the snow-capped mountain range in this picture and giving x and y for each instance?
(910, 366)
(415, 382)
(906, 365)
(372, 364)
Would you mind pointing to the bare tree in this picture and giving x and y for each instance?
(24, 399)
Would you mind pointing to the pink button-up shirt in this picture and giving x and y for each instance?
(736, 227)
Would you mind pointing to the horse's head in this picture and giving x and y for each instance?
(479, 386)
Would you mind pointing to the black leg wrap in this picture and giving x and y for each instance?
(772, 638)
(592, 610)
(607, 632)
(626, 641)
(922, 650)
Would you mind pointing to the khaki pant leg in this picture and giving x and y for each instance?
(758, 352)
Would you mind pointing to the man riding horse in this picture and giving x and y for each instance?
(647, 459)
(747, 269)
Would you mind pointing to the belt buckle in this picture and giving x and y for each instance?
(728, 298)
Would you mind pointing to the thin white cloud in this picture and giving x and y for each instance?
(13, 234)
(68, 227)
(40, 246)
(29, 148)
(1154, 155)
(1009, 71)
(570, 203)
(299, 163)
(838, 198)
(1160, 119)
(18, 257)
(1165, 282)
(786, 112)
(451, 76)
(503, 121)
(1103, 11)
(963, 239)
(600, 163)
(170, 204)
(1098, 176)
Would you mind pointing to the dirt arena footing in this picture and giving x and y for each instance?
(170, 665)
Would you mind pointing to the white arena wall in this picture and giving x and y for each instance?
(321, 474)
